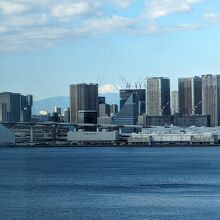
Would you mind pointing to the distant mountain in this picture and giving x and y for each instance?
(48, 104)
(63, 102)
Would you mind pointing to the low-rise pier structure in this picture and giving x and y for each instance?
(98, 137)
(206, 138)
(53, 133)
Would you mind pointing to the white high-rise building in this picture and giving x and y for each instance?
(174, 102)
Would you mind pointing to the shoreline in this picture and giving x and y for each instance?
(53, 145)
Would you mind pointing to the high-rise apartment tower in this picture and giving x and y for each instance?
(190, 95)
(158, 96)
(83, 97)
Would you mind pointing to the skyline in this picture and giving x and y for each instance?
(45, 47)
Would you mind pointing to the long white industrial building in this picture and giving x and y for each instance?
(87, 136)
(6, 136)
(173, 138)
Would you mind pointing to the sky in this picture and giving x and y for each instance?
(46, 46)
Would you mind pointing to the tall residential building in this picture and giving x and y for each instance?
(158, 96)
(174, 102)
(83, 97)
(211, 98)
(15, 107)
(190, 95)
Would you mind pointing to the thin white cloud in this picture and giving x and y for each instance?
(47, 36)
(11, 7)
(211, 16)
(3, 29)
(122, 3)
(108, 24)
(155, 9)
(18, 21)
(70, 9)
(34, 38)
(159, 29)
(28, 24)
(118, 3)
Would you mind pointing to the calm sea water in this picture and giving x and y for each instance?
(110, 183)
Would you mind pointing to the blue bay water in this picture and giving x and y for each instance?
(110, 183)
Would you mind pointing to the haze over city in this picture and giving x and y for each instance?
(46, 46)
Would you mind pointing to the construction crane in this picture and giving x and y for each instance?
(138, 83)
(195, 107)
(128, 85)
(163, 107)
(99, 80)
(116, 87)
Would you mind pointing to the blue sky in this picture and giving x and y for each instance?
(46, 46)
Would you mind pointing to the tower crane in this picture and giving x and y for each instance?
(195, 107)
